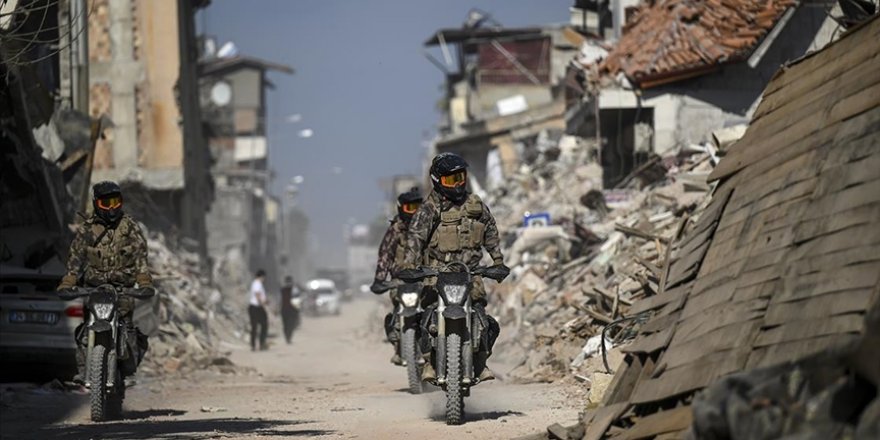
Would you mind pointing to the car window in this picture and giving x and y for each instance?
(27, 287)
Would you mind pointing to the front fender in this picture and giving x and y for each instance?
(454, 312)
(100, 325)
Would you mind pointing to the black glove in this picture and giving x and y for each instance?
(377, 287)
(143, 292)
(497, 272)
(69, 293)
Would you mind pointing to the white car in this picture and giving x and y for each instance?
(325, 297)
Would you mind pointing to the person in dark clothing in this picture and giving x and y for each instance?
(289, 312)
(257, 311)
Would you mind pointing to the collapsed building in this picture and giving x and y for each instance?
(762, 320)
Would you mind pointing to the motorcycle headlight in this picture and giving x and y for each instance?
(409, 299)
(454, 293)
(102, 310)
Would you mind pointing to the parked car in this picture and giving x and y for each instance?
(36, 327)
(323, 298)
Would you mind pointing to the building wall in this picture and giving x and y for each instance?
(134, 66)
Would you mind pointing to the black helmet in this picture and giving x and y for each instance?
(408, 203)
(449, 176)
(107, 202)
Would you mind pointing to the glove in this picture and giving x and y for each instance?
(377, 287)
(498, 272)
(144, 292)
(67, 282)
(68, 293)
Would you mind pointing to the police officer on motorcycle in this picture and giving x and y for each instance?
(109, 248)
(454, 225)
(391, 260)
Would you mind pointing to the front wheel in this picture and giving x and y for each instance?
(454, 395)
(98, 382)
(408, 350)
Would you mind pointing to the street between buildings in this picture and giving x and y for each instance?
(334, 381)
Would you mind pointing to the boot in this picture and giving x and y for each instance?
(396, 359)
(428, 374)
(486, 374)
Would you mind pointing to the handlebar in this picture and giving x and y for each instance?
(497, 273)
(80, 292)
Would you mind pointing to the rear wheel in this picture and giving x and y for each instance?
(98, 381)
(408, 350)
(454, 396)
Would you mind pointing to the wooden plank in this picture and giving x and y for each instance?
(812, 91)
(720, 316)
(819, 307)
(696, 240)
(810, 328)
(755, 291)
(801, 138)
(624, 380)
(688, 266)
(659, 323)
(836, 221)
(721, 293)
(824, 59)
(794, 350)
(660, 422)
(691, 377)
(659, 300)
(683, 351)
(650, 343)
(852, 277)
(602, 419)
(835, 259)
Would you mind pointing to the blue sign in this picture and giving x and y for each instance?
(537, 219)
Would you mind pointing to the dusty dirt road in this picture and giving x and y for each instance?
(333, 382)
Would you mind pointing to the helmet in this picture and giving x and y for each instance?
(408, 203)
(449, 176)
(107, 202)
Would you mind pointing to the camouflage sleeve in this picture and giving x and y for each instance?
(76, 258)
(420, 228)
(492, 239)
(142, 266)
(386, 254)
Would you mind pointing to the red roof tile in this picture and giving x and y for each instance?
(670, 37)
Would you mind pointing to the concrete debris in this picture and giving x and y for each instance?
(604, 250)
(193, 315)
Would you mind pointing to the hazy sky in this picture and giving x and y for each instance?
(361, 85)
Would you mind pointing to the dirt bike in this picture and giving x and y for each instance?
(456, 331)
(408, 325)
(113, 347)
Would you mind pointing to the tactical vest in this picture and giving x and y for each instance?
(108, 250)
(460, 229)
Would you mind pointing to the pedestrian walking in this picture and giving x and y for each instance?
(289, 312)
(257, 311)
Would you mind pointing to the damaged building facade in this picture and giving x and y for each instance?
(141, 75)
(245, 224)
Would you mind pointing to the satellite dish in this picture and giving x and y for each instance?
(221, 94)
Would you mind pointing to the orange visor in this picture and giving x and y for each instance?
(409, 208)
(453, 180)
(111, 202)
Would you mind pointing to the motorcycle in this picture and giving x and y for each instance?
(113, 347)
(408, 325)
(456, 331)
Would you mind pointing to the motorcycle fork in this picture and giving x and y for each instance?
(467, 352)
(441, 341)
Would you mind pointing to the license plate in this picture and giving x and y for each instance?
(32, 317)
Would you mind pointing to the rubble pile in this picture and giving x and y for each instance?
(193, 316)
(599, 252)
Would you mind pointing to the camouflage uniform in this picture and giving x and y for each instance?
(442, 232)
(391, 250)
(107, 255)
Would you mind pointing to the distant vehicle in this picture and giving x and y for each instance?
(36, 327)
(323, 298)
